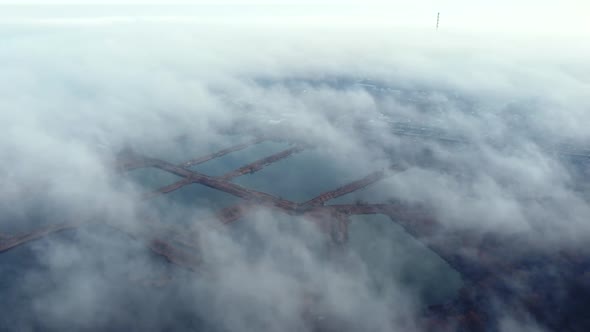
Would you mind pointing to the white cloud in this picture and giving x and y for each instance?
(73, 95)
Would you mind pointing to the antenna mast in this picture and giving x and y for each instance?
(437, 20)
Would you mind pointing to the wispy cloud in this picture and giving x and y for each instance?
(77, 89)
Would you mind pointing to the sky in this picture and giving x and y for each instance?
(538, 17)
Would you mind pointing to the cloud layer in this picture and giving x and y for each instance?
(73, 96)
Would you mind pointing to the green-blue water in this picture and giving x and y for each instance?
(390, 255)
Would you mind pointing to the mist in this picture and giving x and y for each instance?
(83, 84)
